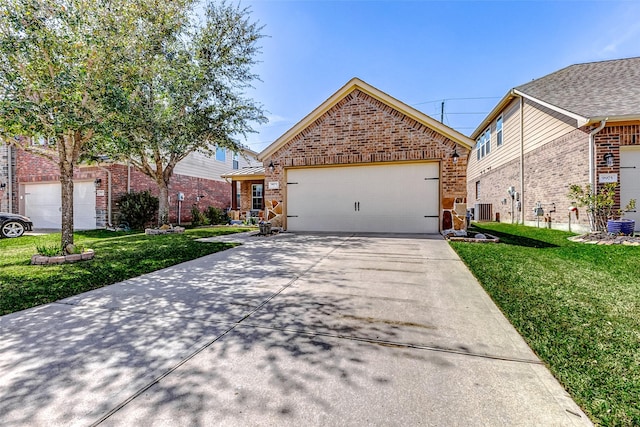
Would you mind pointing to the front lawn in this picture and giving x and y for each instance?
(578, 307)
(119, 256)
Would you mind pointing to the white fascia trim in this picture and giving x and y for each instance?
(497, 111)
(580, 119)
(609, 119)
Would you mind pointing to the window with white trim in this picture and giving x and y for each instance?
(483, 145)
(499, 131)
(256, 196)
(236, 161)
(221, 154)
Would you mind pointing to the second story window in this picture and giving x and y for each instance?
(499, 131)
(221, 154)
(236, 161)
(483, 145)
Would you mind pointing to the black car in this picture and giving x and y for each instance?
(13, 225)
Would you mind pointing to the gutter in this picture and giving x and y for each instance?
(592, 150)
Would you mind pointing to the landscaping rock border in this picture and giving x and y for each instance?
(62, 259)
(455, 237)
(156, 231)
(602, 238)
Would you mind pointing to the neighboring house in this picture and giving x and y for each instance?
(579, 125)
(31, 187)
(361, 162)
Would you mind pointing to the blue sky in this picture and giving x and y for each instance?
(423, 52)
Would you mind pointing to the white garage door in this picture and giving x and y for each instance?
(630, 180)
(42, 204)
(399, 198)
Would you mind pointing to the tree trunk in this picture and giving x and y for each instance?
(66, 183)
(163, 202)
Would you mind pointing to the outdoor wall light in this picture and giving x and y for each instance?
(97, 182)
(272, 166)
(455, 156)
(3, 185)
(609, 159)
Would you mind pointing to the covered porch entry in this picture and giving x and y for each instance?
(247, 194)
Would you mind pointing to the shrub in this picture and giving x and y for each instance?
(49, 250)
(197, 217)
(599, 204)
(138, 209)
(216, 216)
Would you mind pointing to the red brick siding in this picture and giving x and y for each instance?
(551, 169)
(33, 168)
(360, 130)
(493, 189)
(246, 194)
(609, 140)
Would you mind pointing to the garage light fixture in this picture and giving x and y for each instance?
(608, 158)
(3, 185)
(97, 182)
(272, 166)
(455, 156)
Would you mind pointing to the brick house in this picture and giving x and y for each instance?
(29, 185)
(578, 125)
(362, 162)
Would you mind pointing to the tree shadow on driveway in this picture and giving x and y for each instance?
(231, 339)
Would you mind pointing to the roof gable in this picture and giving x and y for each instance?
(357, 84)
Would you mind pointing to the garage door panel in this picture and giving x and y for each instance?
(630, 180)
(401, 198)
(43, 205)
(84, 206)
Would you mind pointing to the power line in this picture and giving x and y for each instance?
(479, 113)
(456, 99)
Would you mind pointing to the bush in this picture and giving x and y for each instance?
(138, 209)
(599, 204)
(216, 216)
(49, 250)
(197, 217)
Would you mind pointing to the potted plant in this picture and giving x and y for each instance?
(602, 216)
(623, 225)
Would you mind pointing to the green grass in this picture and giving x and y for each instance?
(578, 307)
(119, 256)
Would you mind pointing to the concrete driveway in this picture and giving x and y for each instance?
(286, 330)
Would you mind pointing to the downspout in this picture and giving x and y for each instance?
(592, 151)
(10, 177)
(521, 159)
(108, 194)
(128, 177)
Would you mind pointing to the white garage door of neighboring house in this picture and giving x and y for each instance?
(42, 204)
(630, 180)
(396, 198)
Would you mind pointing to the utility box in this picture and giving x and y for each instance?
(483, 212)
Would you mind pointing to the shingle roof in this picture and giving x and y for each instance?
(595, 89)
